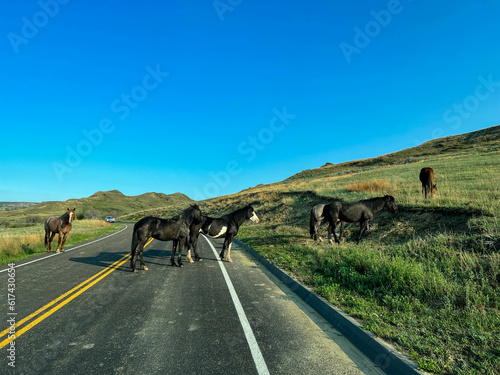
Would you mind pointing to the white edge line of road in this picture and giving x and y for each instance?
(71, 249)
(252, 342)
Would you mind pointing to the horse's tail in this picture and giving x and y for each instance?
(135, 242)
(47, 232)
(312, 221)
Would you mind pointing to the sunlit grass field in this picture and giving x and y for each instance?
(23, 242)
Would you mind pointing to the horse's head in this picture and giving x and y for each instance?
(71, 215)
(434, 189)
(197, 215)
(252, 215)
(390, 203)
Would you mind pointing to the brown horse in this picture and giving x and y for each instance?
(58, 225)
(427, 179)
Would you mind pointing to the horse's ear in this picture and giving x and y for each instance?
(74, 208)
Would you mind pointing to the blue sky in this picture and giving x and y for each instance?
(211, 97)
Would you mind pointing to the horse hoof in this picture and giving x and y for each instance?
(199, 259)
(144, 268)
(191, 261)
(57, 251)
(229, 260)
(181, 265)
(134, 271)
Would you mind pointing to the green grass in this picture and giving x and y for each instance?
(26, 242)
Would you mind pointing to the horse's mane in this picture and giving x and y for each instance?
(374, 203)
(64, 219)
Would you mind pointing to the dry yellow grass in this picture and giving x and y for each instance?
(14, 244)
(375, 186)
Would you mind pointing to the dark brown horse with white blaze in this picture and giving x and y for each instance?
(174, 229)
(227, 227)
(427, 179)
(58, 225)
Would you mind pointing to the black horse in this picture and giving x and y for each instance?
(176, 228)
(359, 212)
(227, 227)
(192, 240)
(319, 213)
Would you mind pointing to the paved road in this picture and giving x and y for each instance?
(88, 314)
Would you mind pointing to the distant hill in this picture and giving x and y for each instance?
(11, 206)
(102, 204)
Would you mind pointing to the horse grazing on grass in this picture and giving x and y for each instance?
(227, 227)
(58, 225)
(176, 228)
(319, 213)
(359, 212)
(427, 179)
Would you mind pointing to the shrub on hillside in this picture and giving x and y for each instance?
(375, 186)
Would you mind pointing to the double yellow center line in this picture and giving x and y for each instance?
(61, 301)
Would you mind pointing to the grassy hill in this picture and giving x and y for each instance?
(10, 206)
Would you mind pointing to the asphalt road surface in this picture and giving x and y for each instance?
(84, 312)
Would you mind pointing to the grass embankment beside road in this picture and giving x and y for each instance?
(25, 242)
(426, 279)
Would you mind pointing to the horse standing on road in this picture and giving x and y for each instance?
(192, 240)
(60, 226)
(176, 228)
(227, 227)
(359, 212)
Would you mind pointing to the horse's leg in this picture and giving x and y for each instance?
(174, 249)
(46, 239)
(188, 253)
(141, 258)
(229, 252)
(133, 258)
(63, 241)
(59, 239)
(182, 243)
(362, 229)
(331, 229)
(51, 238)
(227, 241)
(341, 229)
(316, 230)
(137, 252)
(194, 245)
